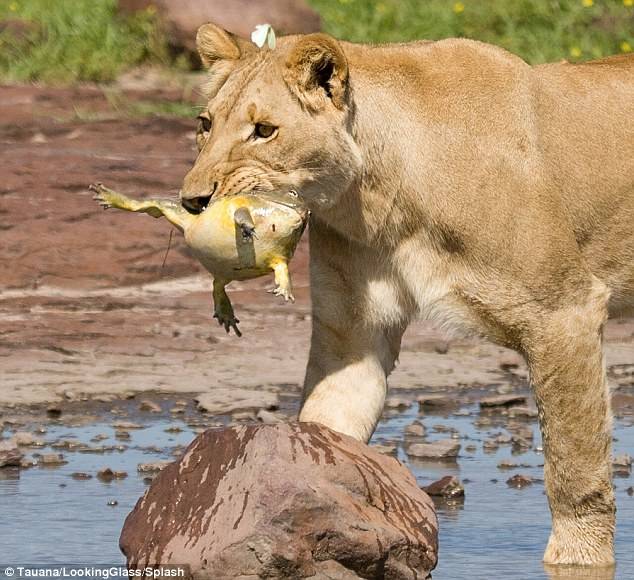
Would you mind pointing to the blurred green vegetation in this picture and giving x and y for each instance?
(62, 41)
(59, 41)
(536, 30)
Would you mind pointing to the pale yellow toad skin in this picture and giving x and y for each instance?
(237, 237)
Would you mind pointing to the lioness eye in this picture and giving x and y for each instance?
(205, 124)
(264, 131)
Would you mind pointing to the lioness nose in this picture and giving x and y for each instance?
(197, 203)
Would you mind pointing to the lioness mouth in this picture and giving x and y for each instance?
(196, 205)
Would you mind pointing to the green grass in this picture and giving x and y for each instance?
(75, 40)
(85, 40)
(537, 30)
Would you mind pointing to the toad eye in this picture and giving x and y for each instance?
(264, 131)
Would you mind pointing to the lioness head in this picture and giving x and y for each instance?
(275, 119)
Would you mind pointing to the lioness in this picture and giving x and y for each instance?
(447, 179)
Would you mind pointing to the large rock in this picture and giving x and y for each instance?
(284, 501)
(183, 17)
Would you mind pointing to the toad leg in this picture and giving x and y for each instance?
(157, 208)
(283, 285)
(223, 310)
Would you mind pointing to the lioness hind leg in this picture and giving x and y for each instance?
(565, 356)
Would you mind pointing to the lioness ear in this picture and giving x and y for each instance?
(215, 44)
(318, 68)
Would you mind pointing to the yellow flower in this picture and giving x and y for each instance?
(151, 9)
(575, 51)
(13, 6)
(626, 46)
(628, 2)
(381, 8)
(458, 7)
(587, 3)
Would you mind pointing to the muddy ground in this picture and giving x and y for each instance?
(88, 311)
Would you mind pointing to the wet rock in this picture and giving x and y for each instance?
(68, 444)
(306, 502)
(108, 474)
(126, 425)
(523, 412)
(503, 439)
(447, 487)
(149, 406)
(435, 402)
(181, 18)
(519, 481)
(173, 429)
(51, 459)
(80, 475)
(10, 455)
(27, 463)
(54, 411)
(223, 401)
(471, 448)
(99, 437)
(152, 467)
(490, 445)
(268, 417)
(415, 429)
(497, 401)
(630, 491)
(113, 503)
(398, 403)
(243, 416)
(386, 448)
(26, 439)
(623, 460)
(443, 449)
(622, 465)
(122, 435)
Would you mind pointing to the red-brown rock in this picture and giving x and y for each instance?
(293, 500)
(182, 18)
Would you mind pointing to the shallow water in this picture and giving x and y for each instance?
(49, 518)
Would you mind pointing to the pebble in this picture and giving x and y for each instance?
(435, 401)
(80, 475)
(523, 412)
(69, 444)
(126, 425)
(415, 429)
(448, 487)
(386, 448)
(113, 502)
(630, 491)
(502, 401)
(398, 403)
(519, 481)
(149, 406)
(268, 417)
(443, 449)
(10, 455)
(52, 459)
(152, 467)
(173, 429)
(122, 435)
(108, 474)
(26, 439)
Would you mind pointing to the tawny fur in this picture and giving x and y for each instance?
(447, 179)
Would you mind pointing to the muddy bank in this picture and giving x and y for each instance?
(87, 309)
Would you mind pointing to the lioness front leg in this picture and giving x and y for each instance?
(565, 357)
(350, 354)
